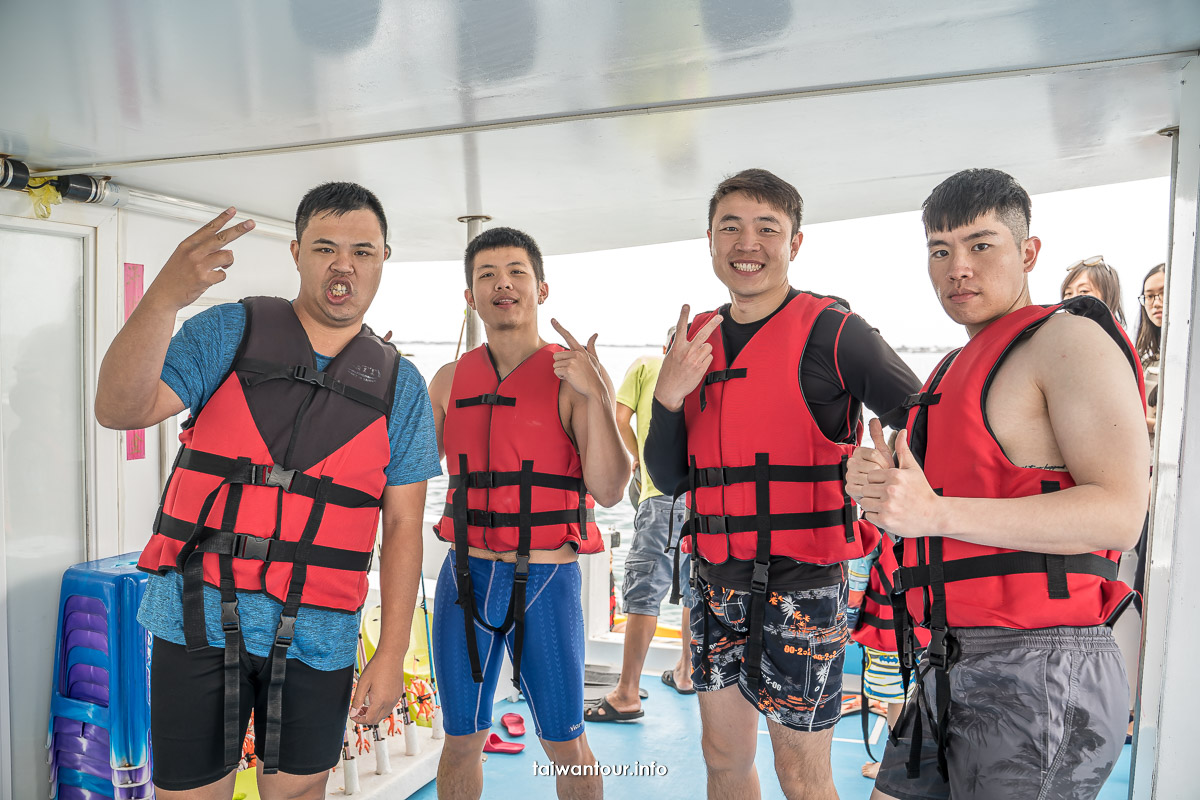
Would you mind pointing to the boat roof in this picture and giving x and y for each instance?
(598, 125)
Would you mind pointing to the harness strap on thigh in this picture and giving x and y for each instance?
(287, 629)
(752, 662)
(231, 627)
(516, 607)
(462, 571)
(191, 563)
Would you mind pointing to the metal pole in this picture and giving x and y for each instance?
(474, 228)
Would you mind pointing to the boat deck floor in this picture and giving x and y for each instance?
(669, 735)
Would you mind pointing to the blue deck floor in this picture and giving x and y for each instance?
(670, 735)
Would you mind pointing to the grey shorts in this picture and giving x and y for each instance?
(1033, 714)
(648, 568)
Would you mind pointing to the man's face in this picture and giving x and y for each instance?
(340, 261)
(752, 244)
(504, 289)
(979, 270)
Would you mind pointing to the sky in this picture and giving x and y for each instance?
(632, 295)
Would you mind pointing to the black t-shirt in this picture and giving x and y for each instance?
(845, 364)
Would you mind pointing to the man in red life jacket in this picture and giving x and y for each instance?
(530, 435)
(756, 410)
(1020, 478)
(305, 428)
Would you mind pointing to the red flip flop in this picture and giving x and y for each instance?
(495, 744)
(514, 723)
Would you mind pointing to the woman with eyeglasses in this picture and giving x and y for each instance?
(1094, 277)
(1149, 337)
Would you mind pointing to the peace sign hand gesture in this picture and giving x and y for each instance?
(686, 363)
(578, 365)
(199, 261)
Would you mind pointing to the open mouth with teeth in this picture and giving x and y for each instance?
(747, 266)
(338, 291)
(505, 302)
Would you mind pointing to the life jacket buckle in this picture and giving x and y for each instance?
(230, 622)
(257, 548)
(308, 375)
(708, 523)
(481, 480)
(758, 582)
(521, 573)
(278, 476)
(480, 518)
(286, 630)
(711, 476)
(942, 650)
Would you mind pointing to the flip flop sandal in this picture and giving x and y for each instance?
(668, 677)
(514, 723)
(495, 744)
(604, 712)
(851, 703)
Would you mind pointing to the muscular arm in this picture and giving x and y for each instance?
(594, 427)
(399, 573)
(1096, 415)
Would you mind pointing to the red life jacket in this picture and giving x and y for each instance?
(277, 488)
(501, 434)
(753, 444)
(516, 481)
(876, 622)
(995, 586)
(275, 437)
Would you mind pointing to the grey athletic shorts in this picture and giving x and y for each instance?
(648, 567)
(1038, 715)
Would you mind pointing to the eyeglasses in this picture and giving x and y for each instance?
(1094, 261)
(1148, 300)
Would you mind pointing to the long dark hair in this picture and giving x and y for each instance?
(1149, 335)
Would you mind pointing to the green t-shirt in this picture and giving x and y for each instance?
(637, 392)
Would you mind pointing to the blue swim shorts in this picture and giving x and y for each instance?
(551, 658)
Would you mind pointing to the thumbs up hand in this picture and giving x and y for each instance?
(893, 494)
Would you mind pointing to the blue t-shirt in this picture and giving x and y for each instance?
(199, 356)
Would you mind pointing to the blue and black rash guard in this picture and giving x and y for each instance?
(846, 365)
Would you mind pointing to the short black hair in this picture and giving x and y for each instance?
(494, 238)
(338, 198)
(765, 187)
(966, 196)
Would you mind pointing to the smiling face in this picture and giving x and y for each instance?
(340, 261)
(980, 271)
(504, 289)
(752, 245)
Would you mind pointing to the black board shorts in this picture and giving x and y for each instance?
(187, 693)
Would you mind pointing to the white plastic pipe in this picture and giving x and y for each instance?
(383, 760)
(439, 732)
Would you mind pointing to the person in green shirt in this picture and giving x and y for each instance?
(649, 567)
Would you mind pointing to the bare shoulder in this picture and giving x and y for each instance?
(1068, 345)
(439, 387)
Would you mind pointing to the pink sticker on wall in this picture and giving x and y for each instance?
(135, 441)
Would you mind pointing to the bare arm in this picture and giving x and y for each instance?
(1096, 416)
(439, 397)
(399, 574)
(628, 437)
(593, 422)
(129, 392)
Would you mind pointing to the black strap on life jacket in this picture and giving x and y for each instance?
(718, 376)
(524, 520)
(764, 524)
(263, 371)
(896, 417)
(485, 400)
